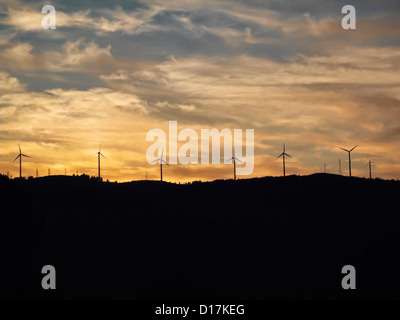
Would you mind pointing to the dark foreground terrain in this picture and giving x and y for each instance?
(250, 239)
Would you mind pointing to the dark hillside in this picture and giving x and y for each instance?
(256, 238)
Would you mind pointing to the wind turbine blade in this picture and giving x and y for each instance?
(156, 160)
(25, 155)
(239, 160)
(19, 148)
(344, 149)
(103, 155)
(100, 148)
(288, 155)
(165, 162)
(229, 160)
(17, 157)
(353, 148)
(280, 155)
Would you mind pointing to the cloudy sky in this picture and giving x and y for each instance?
(113, 70)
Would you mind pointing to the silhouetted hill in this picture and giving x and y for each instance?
(254, 238)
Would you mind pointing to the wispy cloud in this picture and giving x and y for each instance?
(26, 17)
(10, 84)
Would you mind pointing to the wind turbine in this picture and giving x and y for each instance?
(234, 164)
(283, 154)
(349, 152)
(98, 160)
(161, 159)
(20, 160)
(369, 163)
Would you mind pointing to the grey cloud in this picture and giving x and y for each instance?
(390, 135)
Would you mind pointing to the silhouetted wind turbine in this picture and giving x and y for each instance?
(234, 164)
(283, 154)
(161, 163)
(98, 160)
(349, 151)
(20, 160)
(369, 163)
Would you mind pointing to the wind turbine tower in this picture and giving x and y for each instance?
(349, 152)
(161, 160)
(234, 164)
(99, 154)
(370, 168)
(283, 155)
(20, 155)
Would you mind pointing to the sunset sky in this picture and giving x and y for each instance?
(113, 70)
